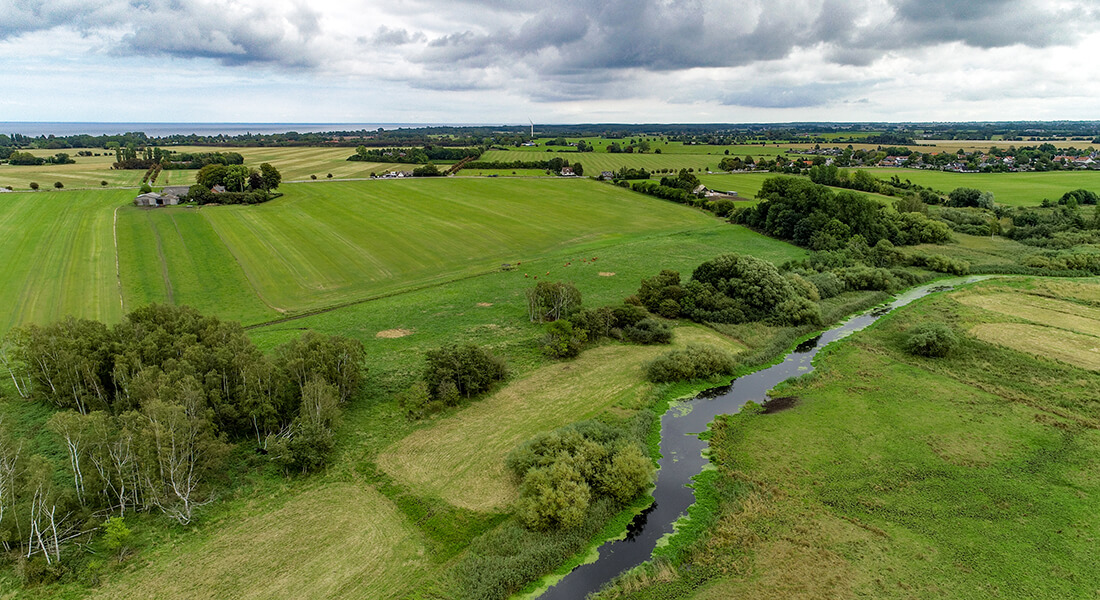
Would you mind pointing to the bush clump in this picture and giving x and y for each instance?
(563, 471)
(693, 362)
(454, 372)
(648, 331)
(931, 339)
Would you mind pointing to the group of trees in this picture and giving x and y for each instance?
(147, 411)
(242, 184)
(732, 288)
(15, 157)
(417, 156)
(562, 472)
(451, 374)
(813, 216)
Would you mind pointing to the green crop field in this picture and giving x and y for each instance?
(1013, 189)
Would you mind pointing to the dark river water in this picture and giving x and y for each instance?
(682, 450)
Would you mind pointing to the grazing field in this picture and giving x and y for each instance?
(1013, 189)
(57, 256)
(895, 476)
(340, 540)
(461, 458)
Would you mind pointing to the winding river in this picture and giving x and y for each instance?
(682, 450)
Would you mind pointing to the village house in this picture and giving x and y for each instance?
(567, 171)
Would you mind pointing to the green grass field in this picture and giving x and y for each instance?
(894, 476)
(1013, 189)
(57, 256)
(320, 245)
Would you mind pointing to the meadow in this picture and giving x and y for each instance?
(320, 245)
(411, 265)
(356, 529)
(1013, 189)
(889, 475)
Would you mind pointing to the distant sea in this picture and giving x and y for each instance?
(36, 129)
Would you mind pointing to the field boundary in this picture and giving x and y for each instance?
(118, 269)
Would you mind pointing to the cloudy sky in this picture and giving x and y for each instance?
(566, 61)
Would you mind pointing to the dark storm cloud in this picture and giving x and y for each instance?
(669, 35)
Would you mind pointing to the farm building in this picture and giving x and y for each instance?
(177, 191)
(155, 199)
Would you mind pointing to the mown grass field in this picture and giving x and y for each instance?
(894, 476)
(340, 540)
(468, 471)
(57, 256)
(1013, 189)
(320, 245)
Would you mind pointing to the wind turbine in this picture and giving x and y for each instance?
(532, 128)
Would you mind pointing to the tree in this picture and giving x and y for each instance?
(34, 186)
(211, 175)
(578, 169)
(236, 178)
(103, 183)
(58, 185)
(271, 176)
(179, 451)
(115, 535)
(550, 301)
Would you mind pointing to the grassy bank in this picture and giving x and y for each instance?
(898, 476)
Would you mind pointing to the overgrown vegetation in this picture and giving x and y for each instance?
(147, 411)
(572, 482)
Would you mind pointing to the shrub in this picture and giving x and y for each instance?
(562, 340)
(827, 283)
(796, 311)
(693, 362)
(648, 331)
(145, 188)
(930, 339)
(454, 371)
(553, 497)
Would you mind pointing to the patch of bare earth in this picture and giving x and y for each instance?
(606, 274)
(393, 333)
(484, 304)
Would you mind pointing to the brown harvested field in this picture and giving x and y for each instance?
(1044, 311)
(460, 458)
(338, 541)
(1068, 347)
